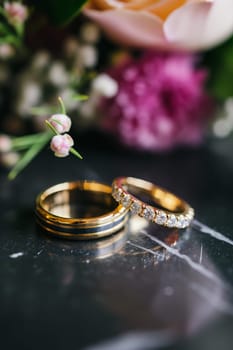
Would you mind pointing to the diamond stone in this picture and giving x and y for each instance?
(161, 217)
(136, 207)
(180, 221)
(171, 222)
(148, 213)
(186, 222)
(117, 194)
(190, 214)
(126, 200)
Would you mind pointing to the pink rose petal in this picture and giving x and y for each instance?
(131, 28)
(200, 25)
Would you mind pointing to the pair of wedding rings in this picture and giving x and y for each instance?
(89, 209)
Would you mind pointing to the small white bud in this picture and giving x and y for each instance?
(40, 60)
(9, 159)
(88, 56)
(6, 51)
(90, 33)
(5, 143)
(29, 97)
(58, 75)
(71, 47)
(60, 122)
(104, 85)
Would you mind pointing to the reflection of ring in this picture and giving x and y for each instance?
(170, 211)
(88, 250)
(80, 210)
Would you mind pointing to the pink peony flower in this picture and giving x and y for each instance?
(166, 24)
(61, 144)
(16, 12)
(60, 122)
(160, 104)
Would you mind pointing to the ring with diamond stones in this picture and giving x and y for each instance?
(163, 208)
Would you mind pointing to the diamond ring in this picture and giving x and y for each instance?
(152, 202)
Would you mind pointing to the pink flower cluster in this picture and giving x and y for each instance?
(161, 102)
(61, 144)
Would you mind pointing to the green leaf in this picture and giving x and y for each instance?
(4, 29)
(23, 142)
(29, 155)
(220, 63)
(60, 11)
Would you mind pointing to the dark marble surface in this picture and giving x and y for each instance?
(145, 288)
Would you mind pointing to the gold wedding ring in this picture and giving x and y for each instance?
(152, 202)
(80, 210)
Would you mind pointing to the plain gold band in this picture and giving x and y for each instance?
(62, 197)
(167, 209)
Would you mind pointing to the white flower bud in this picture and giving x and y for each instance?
(88, 56)
(104, 85)
(61, 144)
(90, 32)
(5, 143)
(71, 47)
(67, 96)
(30, 95)
(40, 60)
(58, 75)
(61, 122)
(9, 159)
(6, 51)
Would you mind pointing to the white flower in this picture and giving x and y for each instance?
(61, 144)
(30, 94)
(58, 75)
(5, 143)
(71, 47)
(223, 126)
(60, 122)
(9, 159)
(88, 108)
(40, 60)
(104, 85)
(90, 32)
(6, 51)
(67, 96)
(88, 56)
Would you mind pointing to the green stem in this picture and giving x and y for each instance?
(63, 108)
(29, 155)
(80, 97)
(75, 153)
(51, 127)
(43, 110)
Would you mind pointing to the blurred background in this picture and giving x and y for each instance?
(148, 79)
(147, 86)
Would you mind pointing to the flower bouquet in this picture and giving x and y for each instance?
(154, 74)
